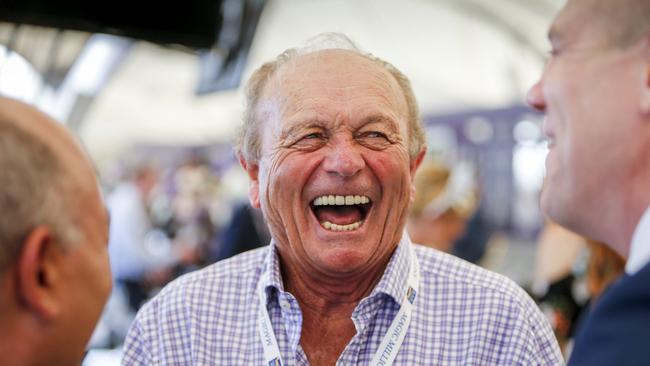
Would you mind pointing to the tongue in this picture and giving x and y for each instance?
(340, 215)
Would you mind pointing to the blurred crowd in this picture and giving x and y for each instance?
(173, 219)
(167, 220)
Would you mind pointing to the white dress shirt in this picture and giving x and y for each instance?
(640, 248)
(135, 247)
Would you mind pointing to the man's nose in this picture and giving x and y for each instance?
(535, 97)
(344, 158)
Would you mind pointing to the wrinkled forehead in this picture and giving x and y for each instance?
(341, 74)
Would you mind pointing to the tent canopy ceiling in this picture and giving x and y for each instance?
(459, 54)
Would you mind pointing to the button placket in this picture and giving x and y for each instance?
(292, 320)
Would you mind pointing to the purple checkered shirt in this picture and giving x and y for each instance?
(463, 315)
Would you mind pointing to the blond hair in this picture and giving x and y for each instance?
(432, 183)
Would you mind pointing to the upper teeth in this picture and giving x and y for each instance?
(340, 200)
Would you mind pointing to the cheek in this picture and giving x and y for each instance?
(392, 172)
(563, 94)
(281, 188)
(581, 148)
(100, 275)
(393, 159)
(106, 274)
(288, 173)
(393, 168)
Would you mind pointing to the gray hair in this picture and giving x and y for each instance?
(249, 141)
(31, 191)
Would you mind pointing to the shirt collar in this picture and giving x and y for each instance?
(271, 276)
(392, 282)
(640, 247)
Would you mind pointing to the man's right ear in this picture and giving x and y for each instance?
(38, 273)
(252, 169)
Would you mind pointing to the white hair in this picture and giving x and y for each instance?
(249, 140)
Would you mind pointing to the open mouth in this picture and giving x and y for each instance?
(341, 213)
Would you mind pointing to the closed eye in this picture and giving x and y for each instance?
(310, 141)
(373, 134)
(375, 140)
(315, 135)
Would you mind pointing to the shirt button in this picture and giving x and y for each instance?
(284, 304)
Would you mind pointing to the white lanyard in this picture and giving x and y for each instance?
(389, 346)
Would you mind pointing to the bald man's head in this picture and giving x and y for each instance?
(622, 22)
(54, 270)
(43, 174)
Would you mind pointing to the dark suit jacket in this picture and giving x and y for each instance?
(617, 331)
(245, 231)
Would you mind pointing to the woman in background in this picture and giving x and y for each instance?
(571, 273)
(445, 200)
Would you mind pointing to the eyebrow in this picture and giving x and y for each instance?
(381, 119)
(315, 123)
(300, 126)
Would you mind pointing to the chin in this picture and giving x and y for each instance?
(559, 211)
(551, 210)
(343, 260)
(549, 199)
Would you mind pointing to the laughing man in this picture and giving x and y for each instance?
(331, 142)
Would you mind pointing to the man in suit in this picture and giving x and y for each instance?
(54, 272)
(595, 91)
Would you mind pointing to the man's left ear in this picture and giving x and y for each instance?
(252, 169)
(415, 163)
(39, 274)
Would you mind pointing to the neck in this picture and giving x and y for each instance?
(16, 346)
(616, 224)
(327, 304)
(329, 295)
(630, 219)
(635, 198)
(613, 217)
(26, 339)
(14, 339)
